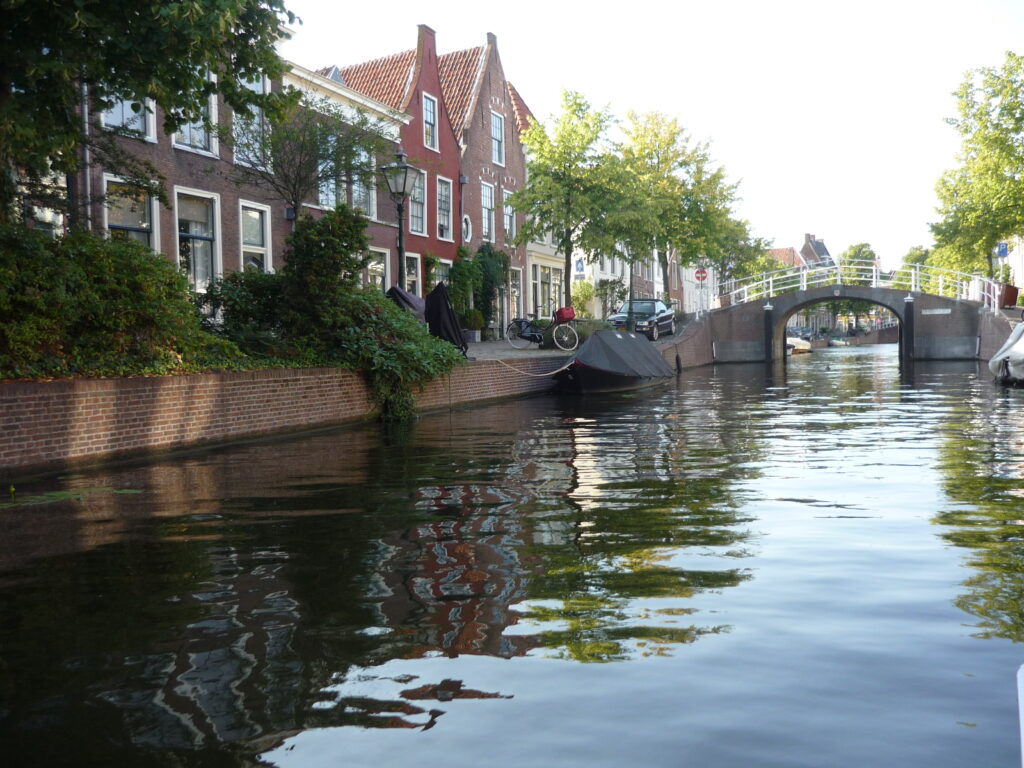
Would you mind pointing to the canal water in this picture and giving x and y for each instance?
(816, 566)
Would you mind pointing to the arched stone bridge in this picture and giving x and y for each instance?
(943, 315)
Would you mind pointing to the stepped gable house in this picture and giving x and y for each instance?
(410, 82)
(488, 117)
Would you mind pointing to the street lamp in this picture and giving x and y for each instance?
(401, 178)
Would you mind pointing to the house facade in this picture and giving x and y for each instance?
(212, 224)
(410, 83)
(488, 117)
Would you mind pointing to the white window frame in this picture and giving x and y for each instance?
(450, 237)
(448, 263)
(154, 212)
(387, 266)
(268, 249)
(508, 218)
(257, 115)
(426, 222)
(436, 124)
(419, 273)
(149, 120)
(214, 150)
(486, 214)
(218, 260)
(371, 192)
(521, 309)
(498, 145)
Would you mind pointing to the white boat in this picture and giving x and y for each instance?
(1007, 365)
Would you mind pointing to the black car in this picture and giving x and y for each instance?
(651, 316)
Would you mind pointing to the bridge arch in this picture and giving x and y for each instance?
(784, 306)
(932, 327)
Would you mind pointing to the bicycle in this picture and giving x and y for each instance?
(522, 332)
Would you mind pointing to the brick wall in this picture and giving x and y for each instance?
(46, 424)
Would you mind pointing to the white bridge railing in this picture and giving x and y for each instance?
(918, 278)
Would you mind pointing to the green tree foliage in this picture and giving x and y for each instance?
(982, 200)
(465, 279)
(611, 293)
(315, 311)
(87, 306)
(493, 269)
(571, 182)
(583, 293)
(689, 199)
(163, 51)
(315, 143)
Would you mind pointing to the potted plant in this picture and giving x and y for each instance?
(472, 324)
(1007, 290)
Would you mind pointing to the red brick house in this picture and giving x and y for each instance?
(212, 225)
(488, 116)
(410, 83)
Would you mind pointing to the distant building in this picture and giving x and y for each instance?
(814, 253)
(788, 256)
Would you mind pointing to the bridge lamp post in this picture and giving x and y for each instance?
(769, 331)
(401, 179)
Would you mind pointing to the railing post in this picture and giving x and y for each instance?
(942, 285)
(771, 285)
(803, 279)
(874, 275)
(915, 279)
(839, 275)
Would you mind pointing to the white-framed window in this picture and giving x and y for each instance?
(444, 209)
(364, 192)
(442, 272)
(429, 121)
(509, 222)
(198, 136)
(130, 213)
(251, 132)
(254, 226)
(197, 214)
(467, 228)
(418, 205)
(378, 269)
(497, 138)
(132, 116)
(515, 293)
(412, 273)
(486, 211)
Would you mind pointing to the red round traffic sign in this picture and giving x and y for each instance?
(701, 274)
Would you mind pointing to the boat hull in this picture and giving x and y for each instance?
(613, 361)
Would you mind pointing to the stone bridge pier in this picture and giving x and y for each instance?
(930, 327)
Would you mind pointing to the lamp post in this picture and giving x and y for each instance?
(401, 178)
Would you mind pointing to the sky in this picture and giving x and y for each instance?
(830, 116)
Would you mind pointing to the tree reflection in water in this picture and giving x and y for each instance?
(982, 462)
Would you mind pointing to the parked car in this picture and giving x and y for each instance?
(651, 316)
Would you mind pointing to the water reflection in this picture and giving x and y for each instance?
(207, 609)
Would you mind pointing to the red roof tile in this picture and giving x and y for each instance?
(460, 75)
(386, 79)
(523, 114)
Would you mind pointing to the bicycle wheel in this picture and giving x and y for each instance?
(565, 336)
(512, 334)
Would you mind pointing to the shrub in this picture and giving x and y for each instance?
(88, 306)
(249, 307)
(473, 320)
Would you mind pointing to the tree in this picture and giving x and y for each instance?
(982, 201)
(689, 199)
(55, 56)
(733, 252)
(310, 146)
(569, 186)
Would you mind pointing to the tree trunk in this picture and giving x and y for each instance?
(663, 258)
(567, 277)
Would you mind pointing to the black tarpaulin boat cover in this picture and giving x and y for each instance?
(623, 354)
(407, 300)
(441, 318)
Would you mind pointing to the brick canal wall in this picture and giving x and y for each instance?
(49, 424)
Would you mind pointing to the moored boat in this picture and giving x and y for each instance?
(614, 360)
(1007, 365)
